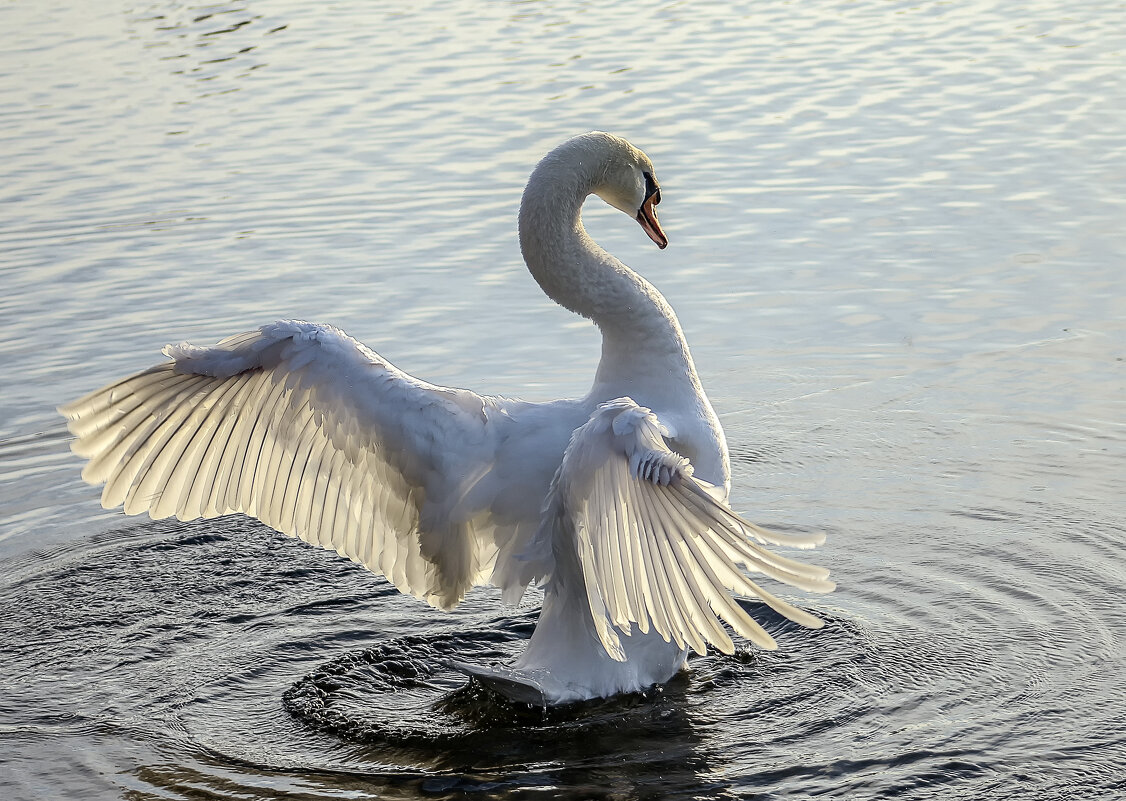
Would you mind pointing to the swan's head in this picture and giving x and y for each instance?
(628, 182)
(608, 166)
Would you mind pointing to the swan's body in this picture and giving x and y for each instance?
(615, 502)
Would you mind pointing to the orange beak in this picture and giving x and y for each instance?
(647, 216)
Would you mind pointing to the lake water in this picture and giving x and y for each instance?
(898, 235)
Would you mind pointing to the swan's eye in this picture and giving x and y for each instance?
(651, 189)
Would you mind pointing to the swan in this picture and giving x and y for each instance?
(614, 503)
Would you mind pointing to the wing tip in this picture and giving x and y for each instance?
(802, 541)
(766, 643)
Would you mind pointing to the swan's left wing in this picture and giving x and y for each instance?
(657, 549)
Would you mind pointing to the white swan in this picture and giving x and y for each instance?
(615, 502)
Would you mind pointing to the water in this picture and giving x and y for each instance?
(897, 235)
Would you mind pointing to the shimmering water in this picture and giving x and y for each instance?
(898, 235)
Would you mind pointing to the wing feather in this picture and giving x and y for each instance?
(593, 582)
(286, 510)
(688, 586)
(161, 464)
(109, 454)
(627, 539)
(651, 606)
(199, 471)
(306, 520)
(298, 491)
(190, 464)
(658, 548)
(636, 566)
(133, 450)
(667, 620)
(690, 630)
(154, 455)
(614, 557)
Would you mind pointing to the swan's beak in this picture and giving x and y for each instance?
(647, 216)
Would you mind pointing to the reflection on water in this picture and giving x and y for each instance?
(896, 250)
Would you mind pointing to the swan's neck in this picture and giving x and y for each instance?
(640, 333)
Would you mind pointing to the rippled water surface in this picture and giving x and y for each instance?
(898, 251)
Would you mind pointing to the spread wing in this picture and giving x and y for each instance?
(311, 432)
(657, 549)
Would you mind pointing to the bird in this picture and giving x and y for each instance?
(615, 504)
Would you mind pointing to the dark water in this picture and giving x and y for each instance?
(897, 251)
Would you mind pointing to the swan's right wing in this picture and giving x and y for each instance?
(314, 434)
(657, 549)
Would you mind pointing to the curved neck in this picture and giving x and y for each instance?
(640, 332)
